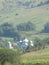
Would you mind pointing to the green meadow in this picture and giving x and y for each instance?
(36, 58)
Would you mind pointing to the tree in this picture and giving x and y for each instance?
(46, 28)
(10, 56)
(39, 44)
(26, 27)
(7, 30)
(46, 41)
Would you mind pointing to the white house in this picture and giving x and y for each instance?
(31, 43)
(10, 45)
(25, 40)
(24, 43)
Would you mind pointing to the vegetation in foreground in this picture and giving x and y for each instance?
(10, 57)
(36, 58)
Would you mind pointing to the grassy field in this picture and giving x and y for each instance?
(40, 57)
(36, 58)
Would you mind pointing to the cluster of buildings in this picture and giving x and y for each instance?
(23, 44)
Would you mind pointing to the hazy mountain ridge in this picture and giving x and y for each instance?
(10, 5)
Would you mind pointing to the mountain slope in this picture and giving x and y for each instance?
(37, 57)
(7, 6)
(38, 15)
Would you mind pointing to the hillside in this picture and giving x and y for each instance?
(7, 6)
(38, 16)
(22, 21)
(15, 12)
(36, 58)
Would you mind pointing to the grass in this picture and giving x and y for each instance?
(40, 57)
(6, 38)
(31, 35)
(39, 16)
(37, 57)
(7, 63)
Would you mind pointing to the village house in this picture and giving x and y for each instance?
(23, 44)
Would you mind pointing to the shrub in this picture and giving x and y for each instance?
(26, 27)
(9, 55)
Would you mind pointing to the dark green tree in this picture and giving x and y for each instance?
(46, 28)
(26, 26)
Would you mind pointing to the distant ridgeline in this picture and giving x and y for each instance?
(13, 5)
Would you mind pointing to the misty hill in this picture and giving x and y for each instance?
(7, 6)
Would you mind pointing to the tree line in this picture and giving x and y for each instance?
(8, 30)
(26, 26)
(46, 28)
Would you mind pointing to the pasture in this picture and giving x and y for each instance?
(36, 57)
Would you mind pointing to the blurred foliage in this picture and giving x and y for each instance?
(9, 55)
(26, 26)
